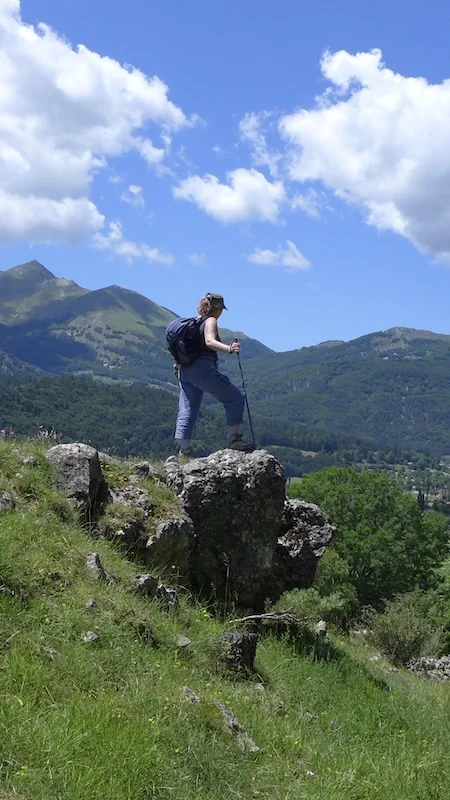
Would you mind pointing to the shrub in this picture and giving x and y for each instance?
(407, 629)
(309, 603)
(333, 578)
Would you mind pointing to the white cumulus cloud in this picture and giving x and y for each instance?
(247, 196)
(115, 243)
(251, 130)
(65, 112)
(310, 202)
(285, 256)
(134, 196)
(380, 140)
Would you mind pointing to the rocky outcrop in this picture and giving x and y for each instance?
(79, 476)
(230, 534)
(437, 669)
(250, 543)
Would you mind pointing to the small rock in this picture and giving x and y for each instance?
(145, 585)
(259, 688)
(168, 597)
(243, 741)
(181, 641)
(133, 497)
(146, 634)
(51, 654)
(190, 695)
(29, 461)
(321, 627)
(145, 469)
(90, 637)
(238, 650)
(6, 502)
(90, 604)
(95, 566)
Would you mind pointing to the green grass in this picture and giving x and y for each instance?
(109, 720)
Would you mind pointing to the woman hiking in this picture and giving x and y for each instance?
(202, 375)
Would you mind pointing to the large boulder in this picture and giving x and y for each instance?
(235, 502)
(79, 476)
(250, 544)
(230, 535)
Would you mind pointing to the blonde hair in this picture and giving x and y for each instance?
(207, 306)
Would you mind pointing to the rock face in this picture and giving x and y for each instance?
(250, 544)
(170, 545)
(79, 476)
(305, 533)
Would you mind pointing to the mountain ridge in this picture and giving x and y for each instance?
(392, 386)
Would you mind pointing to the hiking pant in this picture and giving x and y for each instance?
(195, 379)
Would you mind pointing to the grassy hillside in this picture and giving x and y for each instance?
(25, 288)
(392, 387)
(112, 333)
(110, 719)
(12, 366)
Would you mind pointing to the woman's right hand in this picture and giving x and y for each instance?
(235, 347)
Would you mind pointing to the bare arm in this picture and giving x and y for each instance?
(211, 339)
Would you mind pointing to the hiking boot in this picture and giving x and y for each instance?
(235, 443)
(188, 452)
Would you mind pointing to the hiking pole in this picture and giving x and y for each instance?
(244, 389)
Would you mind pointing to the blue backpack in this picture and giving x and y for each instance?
(184, 339)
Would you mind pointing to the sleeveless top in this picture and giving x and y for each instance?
(204, 350)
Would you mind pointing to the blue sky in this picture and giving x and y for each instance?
(279, 159)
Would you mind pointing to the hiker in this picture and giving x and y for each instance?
(202, 375)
